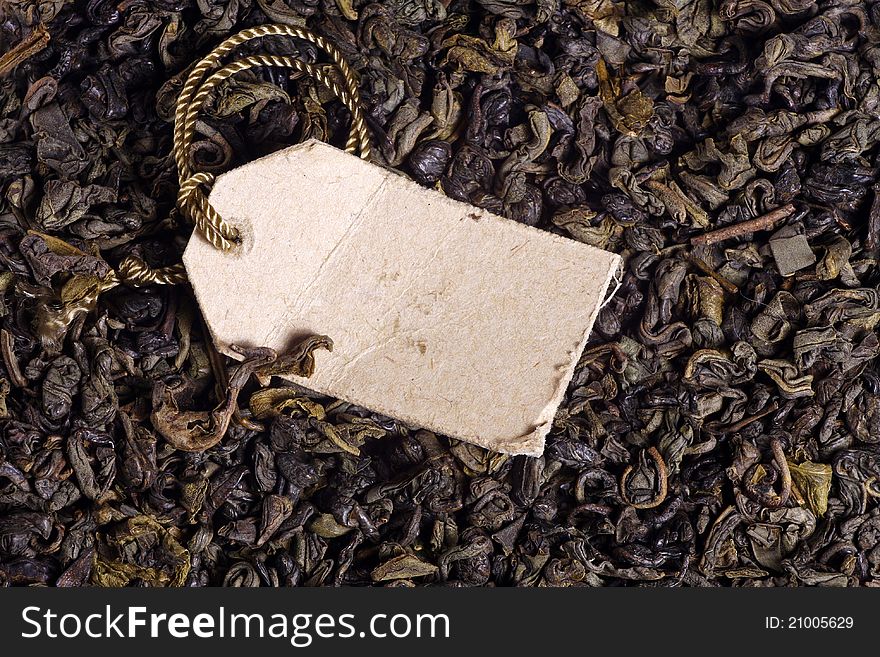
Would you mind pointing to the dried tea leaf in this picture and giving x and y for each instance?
(347, 9)
(835, 262)
(475, 54)
(404, 566)
(140, 550)
(629, 113)
(196, 431)
(605, 14)
(567, 90)
(238, 95)
(792, 384)
(325, 526)
(276, 509)
(33, 43)
(813, 481)
(65, 202)
(279, 12)
(271, 402)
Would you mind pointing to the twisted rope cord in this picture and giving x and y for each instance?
(192, 200)
(134, 271)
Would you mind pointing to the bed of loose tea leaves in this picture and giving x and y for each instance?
(722, 427)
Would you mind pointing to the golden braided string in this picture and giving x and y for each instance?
(134, 271)
(131, 271)
(192, 200)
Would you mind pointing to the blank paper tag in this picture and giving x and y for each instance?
(442, 315)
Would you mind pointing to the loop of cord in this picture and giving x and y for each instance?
(192, 200)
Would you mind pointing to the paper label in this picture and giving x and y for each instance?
(443, 315)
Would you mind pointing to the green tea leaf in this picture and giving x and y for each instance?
(813, 481)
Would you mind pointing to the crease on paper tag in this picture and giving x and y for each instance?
(443, 315)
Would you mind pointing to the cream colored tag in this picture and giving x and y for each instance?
(442, 315)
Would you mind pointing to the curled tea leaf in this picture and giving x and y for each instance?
(645, 488)
(140, 550)
(628, 112)
(404, 566)
(196, 431)
(475, 54)
(325, 526)
(271, 402)
(812, 481)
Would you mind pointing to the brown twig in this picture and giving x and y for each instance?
(27, 47)
(764, 222)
